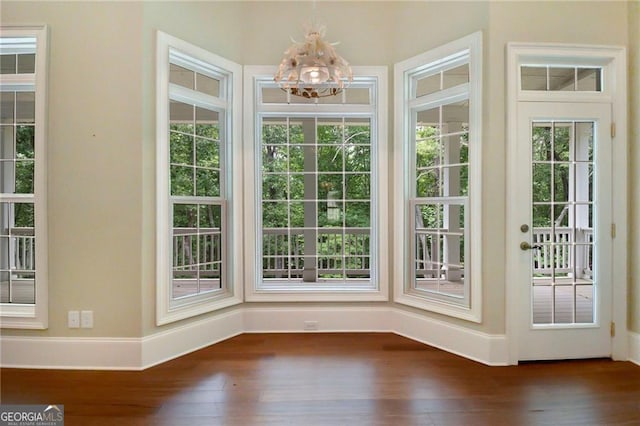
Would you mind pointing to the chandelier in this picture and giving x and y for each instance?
(313, 68)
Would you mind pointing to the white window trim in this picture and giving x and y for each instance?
(402, 273)
(34, 316)
(166, 311)
(613, 61)
(252, 270)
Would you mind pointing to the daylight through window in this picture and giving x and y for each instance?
(317, 202)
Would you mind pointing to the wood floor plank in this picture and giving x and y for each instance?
(335, 379)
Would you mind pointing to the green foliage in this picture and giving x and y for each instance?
(432, 165)
(550, 174)
(338, 168)
(195, 157)
(24, 177)
(24, 215)
(341, 168)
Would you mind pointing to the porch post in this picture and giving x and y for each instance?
(451, 219)
(310, 273)
(582, 175)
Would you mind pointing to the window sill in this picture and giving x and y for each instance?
(441, 307)
(314, 294)
(21, 317)
(184, 311)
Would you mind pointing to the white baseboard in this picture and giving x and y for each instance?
(70, 353)
(485, 348)
(105, 353)
(141, 353)
(634, 347)
(328, 319)
(166, 345)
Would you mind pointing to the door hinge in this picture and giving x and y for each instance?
(613, 329)
(613, 130)
(613, 230)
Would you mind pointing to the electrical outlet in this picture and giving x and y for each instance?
(73, 319)
(86, 319)
(311, 325)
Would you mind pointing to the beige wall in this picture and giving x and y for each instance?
(94, 149)
(102, 203)
(634, 162)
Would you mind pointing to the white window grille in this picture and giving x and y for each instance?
(196, 137)
(317, 194)
(438, 119)
(561, 78)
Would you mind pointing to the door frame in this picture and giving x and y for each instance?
(613, 61)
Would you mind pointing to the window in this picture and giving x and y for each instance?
(197, 143)
(316, 210)
(23, 197)
(561, 78)
(438, 209)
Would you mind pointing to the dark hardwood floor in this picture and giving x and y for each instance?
(336, 379)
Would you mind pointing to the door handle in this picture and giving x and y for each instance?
(526, 246)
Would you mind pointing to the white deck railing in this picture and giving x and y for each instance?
(283, 252)
(187, 242)
(428, 252)
(22, 249)
(556, 253)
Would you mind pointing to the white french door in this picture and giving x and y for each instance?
(563, 215)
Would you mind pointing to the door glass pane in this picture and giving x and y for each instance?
(590, 79)
(541, 142)
(562, 196)
(533, 78)
(542, 78)
(540, 296)
(541, 174)
(563, 304)
(584, 141)
(562, 79)
(561, 182)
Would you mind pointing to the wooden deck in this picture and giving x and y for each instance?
(544, 303)
(183, 288)
(543, 299)
(23, 291)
